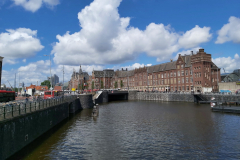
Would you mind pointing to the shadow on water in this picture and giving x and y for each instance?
(141, 130)
(40, 141)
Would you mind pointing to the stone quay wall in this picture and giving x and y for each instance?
(222, 98)
(17, 132)
(86, 101)
(133, 95)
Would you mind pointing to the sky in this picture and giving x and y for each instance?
(114, 34)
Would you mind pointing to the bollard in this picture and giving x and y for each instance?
(4, 112)
(12, 110)
(19, 109)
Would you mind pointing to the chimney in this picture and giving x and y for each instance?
(171, 60)
(126, 69)
(122, 69)
(179, 55)
(192, 52)
(201, 50)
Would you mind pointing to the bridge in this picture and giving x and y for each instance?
(107, 96)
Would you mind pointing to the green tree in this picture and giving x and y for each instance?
(92, 84)
(101, 84)
(121, 84)
(116, 85)
(46, 83)
(87, 85)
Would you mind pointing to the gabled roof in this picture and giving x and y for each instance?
(104, 73)
(187, 60)
(162, 67)
(122, 74)
(214, 66)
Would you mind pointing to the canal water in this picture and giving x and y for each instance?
(142, 130)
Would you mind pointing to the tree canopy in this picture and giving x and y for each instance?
(46, 83)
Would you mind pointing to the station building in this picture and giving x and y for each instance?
(194, 72)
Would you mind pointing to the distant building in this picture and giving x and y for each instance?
(231, 77)
(55, 79)
(58, 88)
(78, 80)
(194, 72)
(1, 59)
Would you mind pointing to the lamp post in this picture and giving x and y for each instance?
(63, 80)
(19, 82)
(50, 72)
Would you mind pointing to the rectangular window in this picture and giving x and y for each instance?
(178, 73)
(191, 80)
(187, 88)
(183, 88)
(182, 73)
(171, 74)
(186, 72)
(174, 74)
(190, 72)
(162, 75)
(182, 80)
(179, 88)
(179, 80)
(186, 80)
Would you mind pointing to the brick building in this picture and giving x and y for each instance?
(78, 80)
(189, 72)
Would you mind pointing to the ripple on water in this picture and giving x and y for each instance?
(145, 130)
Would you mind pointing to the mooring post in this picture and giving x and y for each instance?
(12, 110)
(4, 112)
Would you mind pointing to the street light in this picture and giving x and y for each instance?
(50, 72)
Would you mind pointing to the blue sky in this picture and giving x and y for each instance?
(112, 34)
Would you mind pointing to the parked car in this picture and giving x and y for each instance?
(28, 95)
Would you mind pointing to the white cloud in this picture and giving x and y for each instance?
(194, 37)
(228, 63)
(39, 71)
(133, 66)
(24, 60)
(19, 43)
(229, 31)
(107, 38)
(9, 61)
(34, 5)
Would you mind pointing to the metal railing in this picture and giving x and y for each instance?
(221, 93)
(17, 108)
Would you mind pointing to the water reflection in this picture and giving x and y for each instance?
(144, 130)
